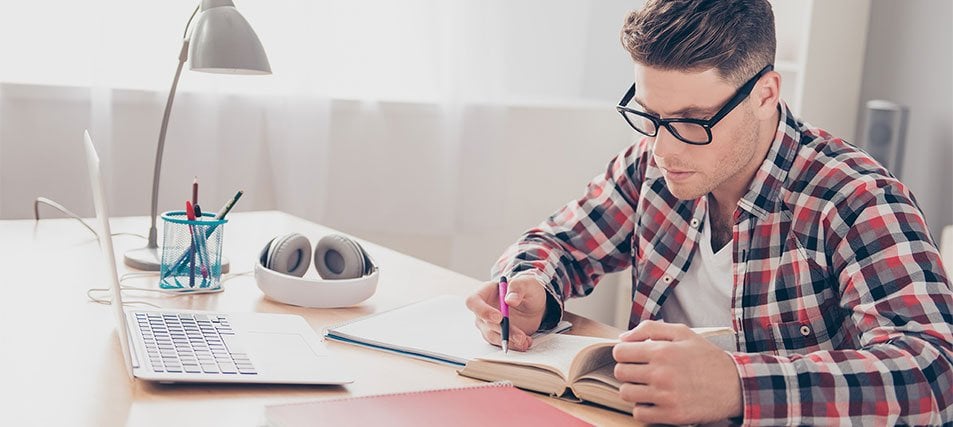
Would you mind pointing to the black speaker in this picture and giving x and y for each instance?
(885, 129)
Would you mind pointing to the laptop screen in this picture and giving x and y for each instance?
(106, 244)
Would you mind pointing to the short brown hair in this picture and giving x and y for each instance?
(736, 37)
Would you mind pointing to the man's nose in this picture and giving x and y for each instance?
(666, 144)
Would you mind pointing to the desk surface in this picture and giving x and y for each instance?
(48, 267)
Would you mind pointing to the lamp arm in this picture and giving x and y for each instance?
(185, 32)
(183, 56)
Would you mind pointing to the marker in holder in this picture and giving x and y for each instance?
(191, 252)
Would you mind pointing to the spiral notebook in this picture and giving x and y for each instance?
(439, 329)
(496, 404)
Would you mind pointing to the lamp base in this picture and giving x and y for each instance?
(147, 259)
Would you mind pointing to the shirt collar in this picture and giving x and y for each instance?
(763, 192)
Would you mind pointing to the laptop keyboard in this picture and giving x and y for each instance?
(192, 343)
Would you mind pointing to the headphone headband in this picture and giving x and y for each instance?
(315, 293)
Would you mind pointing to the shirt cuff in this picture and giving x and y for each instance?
(767, 394)
(748, 408)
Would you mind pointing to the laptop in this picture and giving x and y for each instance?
(192, 346)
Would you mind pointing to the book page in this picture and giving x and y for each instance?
(553, 352)
(593, 357)
(604, 374)
(601, 386)
(440, 328)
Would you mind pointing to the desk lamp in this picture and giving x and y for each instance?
(221, 42)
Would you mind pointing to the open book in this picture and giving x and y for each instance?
(438, 329)
(568, 366)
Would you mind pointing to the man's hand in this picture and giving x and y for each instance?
(675, 376)
(527, 300)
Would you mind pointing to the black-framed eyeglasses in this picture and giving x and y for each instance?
(691, 131)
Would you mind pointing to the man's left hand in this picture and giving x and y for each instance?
(676, 376)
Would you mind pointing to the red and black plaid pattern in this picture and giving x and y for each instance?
(841, 306)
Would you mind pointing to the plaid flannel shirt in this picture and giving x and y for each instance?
(841, 306)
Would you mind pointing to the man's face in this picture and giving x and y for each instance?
(692, 171)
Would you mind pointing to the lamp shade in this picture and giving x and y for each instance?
(223, 42)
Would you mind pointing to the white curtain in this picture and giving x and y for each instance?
(442, 128)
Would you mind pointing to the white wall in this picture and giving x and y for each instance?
(516, 166)
(833, 63)
(909, 60)
(226, 145)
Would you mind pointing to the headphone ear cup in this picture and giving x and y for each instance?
(263, 257)
(289, 254)
(337, 257)
(368, 264)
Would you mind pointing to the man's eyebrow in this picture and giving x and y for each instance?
(691, 111)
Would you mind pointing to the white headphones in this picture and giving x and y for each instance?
(348, 274)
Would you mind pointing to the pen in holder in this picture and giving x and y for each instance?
(191, 252)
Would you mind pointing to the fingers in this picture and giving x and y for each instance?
(513, 298)
(658, 331)
(522, 289)
(490, 334)
(479, 304)
(636, 352)
(525, 292)
(633, 373)
(650, 414)
(652, 405)
(518, 341)
(637, 393)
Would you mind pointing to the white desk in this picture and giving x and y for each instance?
(48, 266)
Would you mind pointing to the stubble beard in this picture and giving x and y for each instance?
(743, 147)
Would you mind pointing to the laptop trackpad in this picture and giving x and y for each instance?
(279, 354)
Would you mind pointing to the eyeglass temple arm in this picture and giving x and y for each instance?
(628, 96)
(743, 93)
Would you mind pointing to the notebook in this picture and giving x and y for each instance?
(200, 346)
(572, 367)
(495, 404)
(439, 329)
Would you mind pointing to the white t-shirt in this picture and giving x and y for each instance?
(703, 297)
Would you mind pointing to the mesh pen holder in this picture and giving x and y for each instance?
(191, 252)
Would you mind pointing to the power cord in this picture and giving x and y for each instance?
(167, 292)
(71, 214)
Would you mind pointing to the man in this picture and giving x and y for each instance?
(731, 212)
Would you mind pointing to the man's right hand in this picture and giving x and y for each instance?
(527, 300)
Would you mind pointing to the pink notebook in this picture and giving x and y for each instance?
(496, 404)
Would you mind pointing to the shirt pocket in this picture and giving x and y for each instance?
(806, 301)
(801, 336)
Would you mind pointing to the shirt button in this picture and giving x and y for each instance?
(694, 222)
(667, 279)
(805, 330)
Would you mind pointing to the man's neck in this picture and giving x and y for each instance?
(720, 223)
(723, 201)
(730, 192)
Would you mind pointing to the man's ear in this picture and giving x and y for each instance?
(767, 94)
